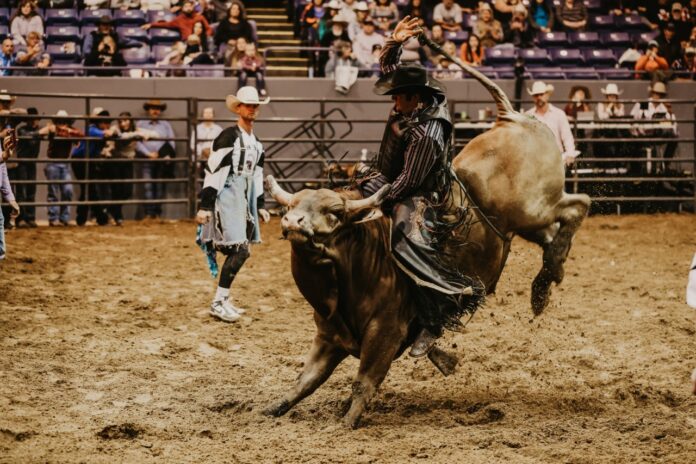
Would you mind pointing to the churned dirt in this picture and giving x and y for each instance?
(107, 354)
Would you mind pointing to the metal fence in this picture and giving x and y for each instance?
(315, 132)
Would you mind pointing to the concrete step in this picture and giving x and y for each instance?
(282, 53)
(299, 71)
(274, 11)
(286, 61)
(263, 18)
(264, 43)
(285, 35)
(276, 26)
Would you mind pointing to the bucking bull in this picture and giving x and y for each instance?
(365, 306)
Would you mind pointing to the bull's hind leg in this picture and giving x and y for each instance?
(555, 240)
(321, 362)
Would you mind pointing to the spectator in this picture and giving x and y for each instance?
(25, 20)
(348, 10)
(343, 66)
(554, 118)
(337, 32)
(28, 145)
(472, 52)
(252, 65)
(234, 26)
(206, 132)
(572, 15)
(670, 46)
(488, 29)
(233, 55)
(355, 27)
(7, 195)
(651, 65)
(385, 13)
(105, 55)
(195, 50)
(621, 7)
(686, 64)
(416, 9)
(412, 52)
(680, 25)
(155, 5)
(105, 27)
(7, 58)
(448, 15)
(437, 35)
(630, 57)
(656, 109)
(447, 70)
(175, 57)
(156, 150)
(216, 11)
(578, 96)
(502, 10)
(98, 130)
(312, 22)
(364, 42)
(125, 4)
(541, 15)
(332, 9)
(33, 54)
(183, 22)
(611, 108)
(58, 170)
(518, 31)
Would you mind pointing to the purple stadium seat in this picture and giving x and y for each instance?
(584, 39)
(58, 54)
(615, 74)
(134, 56)
(92, 16)
(500, 55)
(62, 34)
(547, 73)
(87, 30)
(4, 31)
(593, 6)
(631, 23)
(160, 15)
(206, 70)
(600, 58)
(4, 15)
(133, 33)
(129, 17)
(601, 22)
(645, 37)
(616, 39)
(567, 57)
(457, 37)
(581, 73)
(163, 36)
(60, 17)
(553, 39)
(534, 56)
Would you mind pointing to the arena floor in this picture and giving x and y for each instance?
(108, 355)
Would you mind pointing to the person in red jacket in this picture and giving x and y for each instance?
(184, 21)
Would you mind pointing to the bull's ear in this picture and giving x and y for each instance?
(366, 215)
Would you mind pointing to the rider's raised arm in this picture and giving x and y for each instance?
(390, 56)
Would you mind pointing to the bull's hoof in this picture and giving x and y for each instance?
(277, 410)
(445, 362)
(351, 422)
(541, 294)
(344, 407)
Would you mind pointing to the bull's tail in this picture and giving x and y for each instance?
(505, 109)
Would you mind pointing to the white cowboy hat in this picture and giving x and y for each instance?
(611, 89)
(61, 114)
(333, 5)
(247, 95)
(658, 87)
(540, 87)
(4, 96)
(361, 6)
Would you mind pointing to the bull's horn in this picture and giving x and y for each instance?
(280, 195)
(369, 202)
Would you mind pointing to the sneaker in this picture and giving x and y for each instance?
(230, 307)
(53, 223)
(219, 310)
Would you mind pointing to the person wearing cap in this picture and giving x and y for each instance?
(365, 41)
(518, 31)
(657, 109)
(414, 158)
(184, 21)
(337, 33)
(572, 15)
(154, 150)
(670, 45)
(105, 55)
(487, 28)
(28, 147)
(448, 15)
(232, 197)
(554, 118)
(105, 27)
(678, 19)
(686, 64)
(58, 151)
(651, 65)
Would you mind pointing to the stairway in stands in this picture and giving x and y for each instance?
(275, 29)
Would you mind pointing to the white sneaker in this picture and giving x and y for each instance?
(219, 310)
(227, 303)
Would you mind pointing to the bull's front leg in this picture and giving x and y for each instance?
(322, 359)
(378, 349)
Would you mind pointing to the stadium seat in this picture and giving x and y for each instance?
(159, 15)
(631, 23)
(61, 17)
(567, 57)
(457, 37)
(616, 39)
(87, 30)
(69, 69)
(645, 37)
(160, 51)
(59, 54)
(163, 36)
(133, 33)
(4, 31)
(593, 6)
(581, 73)
(500, 55)
(4, 15)
(534, 57)
(584, 39)
(62, 34)
(547, 73)
(600, 58)
(92, 16)
(129, 17)
(553, 39)
(134, 56)
(601, 22)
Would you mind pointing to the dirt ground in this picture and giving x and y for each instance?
(107, 354)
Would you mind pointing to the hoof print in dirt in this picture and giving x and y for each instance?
(120, 432)
(16, 436)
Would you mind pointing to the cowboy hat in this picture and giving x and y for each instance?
(409, 77)
(361, 6)
(540, 87)
(62, 117)
(5, 96)
(333, 5)
(247, 95)
(611, 89)
(339, 19)
(154, 103)
(658, 87)
(106, 19)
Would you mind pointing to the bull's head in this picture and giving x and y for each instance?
(314, 215)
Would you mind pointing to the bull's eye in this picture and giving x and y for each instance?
(331, 219)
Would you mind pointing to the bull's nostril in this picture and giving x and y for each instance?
(300, 220)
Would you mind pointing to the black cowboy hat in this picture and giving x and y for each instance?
(407, 78)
